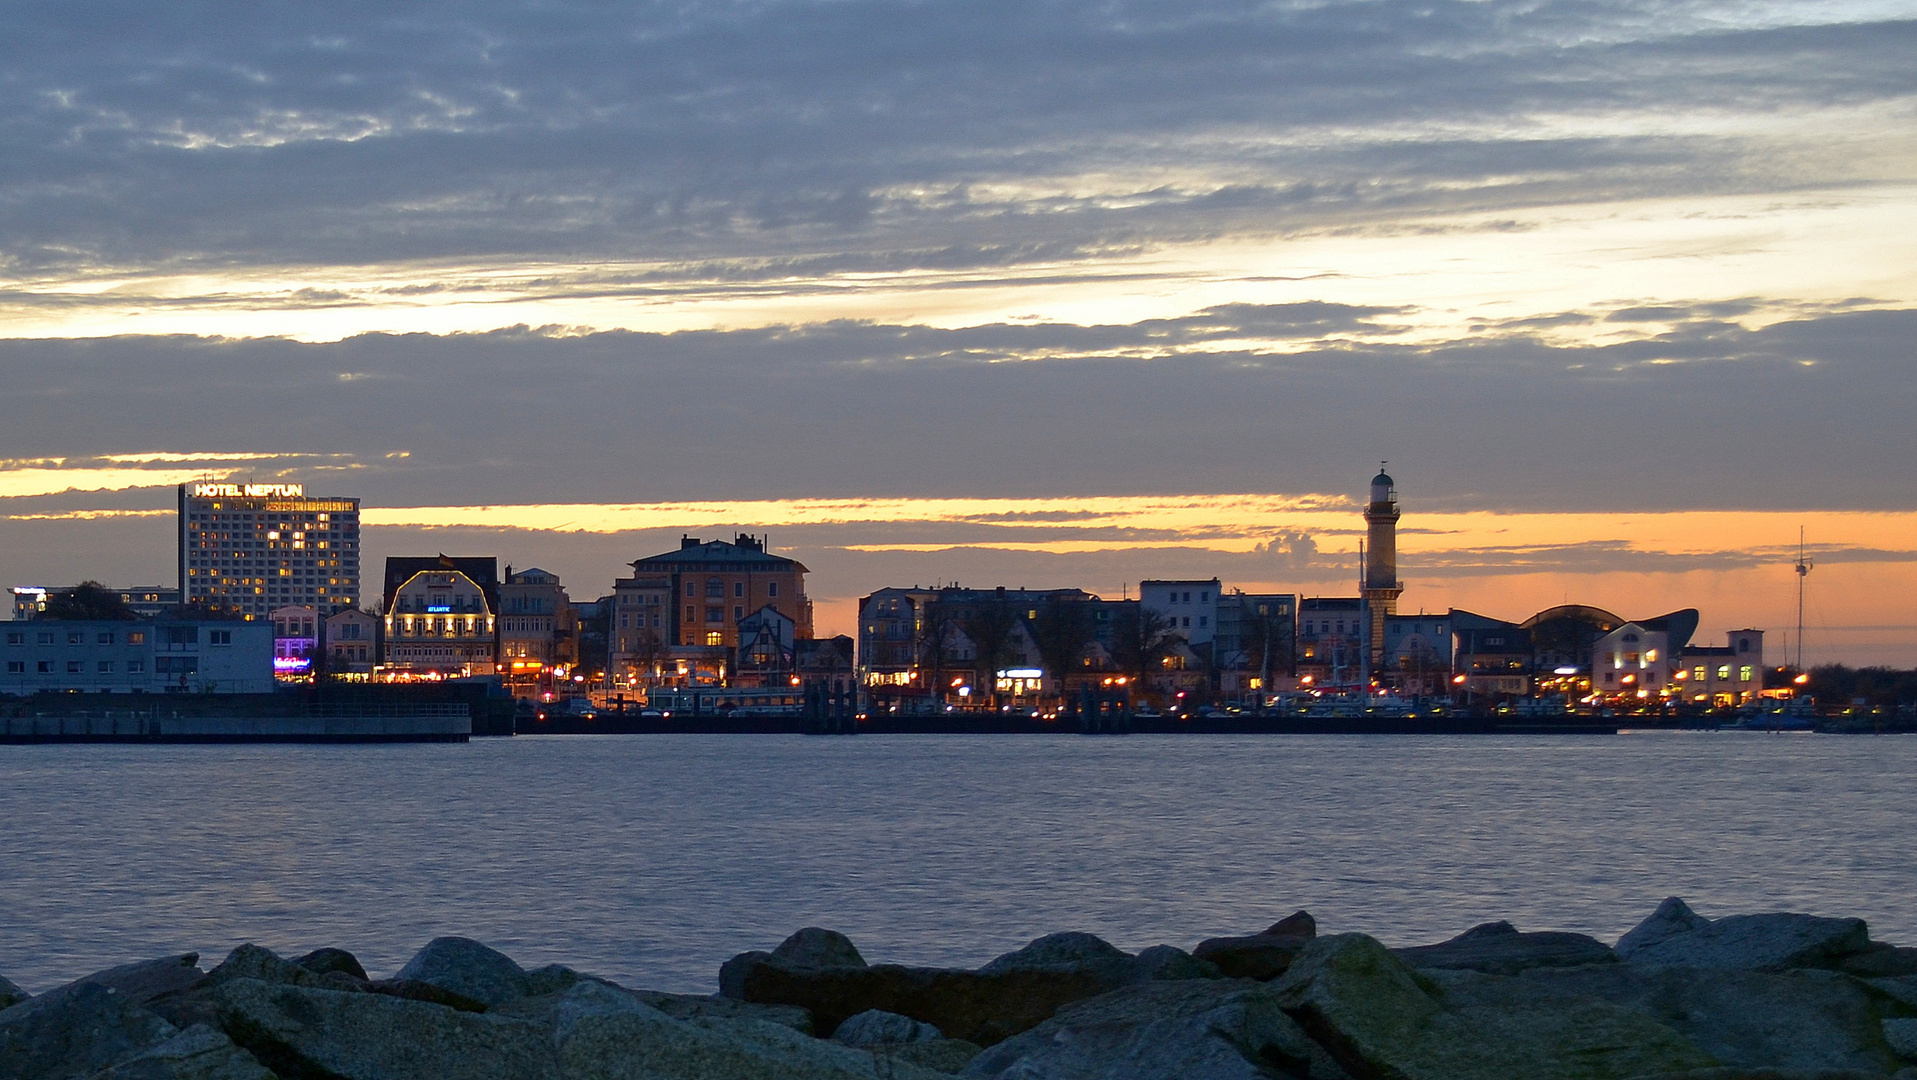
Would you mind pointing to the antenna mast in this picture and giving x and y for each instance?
(1803, 571)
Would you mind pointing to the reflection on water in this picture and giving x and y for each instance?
(652, 859)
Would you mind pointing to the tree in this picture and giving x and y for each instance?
(1141, 640)
(1265, 639)
(1061, 631)
(932, 646)
(648, 650)
(991, 626)
(87, 600)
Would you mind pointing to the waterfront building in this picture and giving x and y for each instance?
(712, 585)
(538, 630)
(1493, 657)
(351, 638)
(296, 641)
(1381, 587)
(826, 663)
(440, 617)
(1189, 608)
(137, 656)
(962, 644)
(1256, 640)
(1417, 653)
(1331, 634)
(146, 601)
(1639, 660)
(1722, 676)
(639, 631)
(250, 548)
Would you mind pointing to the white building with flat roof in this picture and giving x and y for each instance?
(133, 657)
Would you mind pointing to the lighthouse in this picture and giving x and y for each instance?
(1380, 587)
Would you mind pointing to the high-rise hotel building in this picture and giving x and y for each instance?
(251, 548)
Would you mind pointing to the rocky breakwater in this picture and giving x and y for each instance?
(1759, 997)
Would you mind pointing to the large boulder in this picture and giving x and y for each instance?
(322, 961)
(1264, 955)
(198, 1053)
(1169, 962)
(816, 947)
(1166, 1030)
(876, 1027)
(1900, 1034)
(467, 970)
(1499, 948)
(1880, 961)
(144, 980)
(1774, 942)
(75, 1031)
(1065, 952)
(257, 962)
(1793, 1020)
(700, 1007)
(1672, 917)
(1379, 1018)
(971, 1005)
(300, 1031)
(10, 995)
(603, 1034)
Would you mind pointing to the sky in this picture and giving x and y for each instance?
(1037, 294)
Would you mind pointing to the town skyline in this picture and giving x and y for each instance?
(1625, 290)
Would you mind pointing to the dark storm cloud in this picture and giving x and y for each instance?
(856, 134)
(1704, 415)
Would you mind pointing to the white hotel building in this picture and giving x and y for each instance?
(252, 548)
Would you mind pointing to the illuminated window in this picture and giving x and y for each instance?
(1724, 671)
(714, 637)
(1745, 673)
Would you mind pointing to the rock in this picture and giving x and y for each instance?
(146, 980)
(1170, 962)
(1880, 961)
(1673, 916)
(1900, 1035)
(696, 1007)
(256, 962)
(1263, 955)
(551, 979)
(1799, 1019)
(75, 1031)
(607, 1035)
(732, 973)
(1057, 952)
(198, 1053)
(1733, 1073)
(1902, 988)
(814, 947)
(299, 1031)
(1378, 1018)
(321, 961)
(1168, 1030)
(1775, 942)
(10, 995)
(1500, 949)
(937, 1055)
(971, 1005)
(875, 1027)
(463, 967)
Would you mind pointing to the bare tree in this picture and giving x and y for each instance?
(991, 625)
(1141, 640)
(1062, 631)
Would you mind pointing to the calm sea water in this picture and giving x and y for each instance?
(652, 859)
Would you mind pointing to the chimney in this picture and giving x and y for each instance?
(687, 542)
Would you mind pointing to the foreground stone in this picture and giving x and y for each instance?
(76, 1031)
(1499, 948)
(1379, 1018)
(1187, 1030)
(1264, 955)
(1793, 1020)
(299, 1031)
(466, 970)
(198, 1053)
(1676, 935)
(602, 1034)
(10, 995)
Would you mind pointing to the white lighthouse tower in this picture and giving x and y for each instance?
(1381, 588)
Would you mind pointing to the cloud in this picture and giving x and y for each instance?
(868, 134)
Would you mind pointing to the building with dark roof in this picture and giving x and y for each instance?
(708, 588)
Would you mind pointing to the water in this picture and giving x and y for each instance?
(652, 859)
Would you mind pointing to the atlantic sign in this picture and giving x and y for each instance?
(248, 491)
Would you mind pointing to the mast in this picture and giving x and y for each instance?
(1803, 571)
